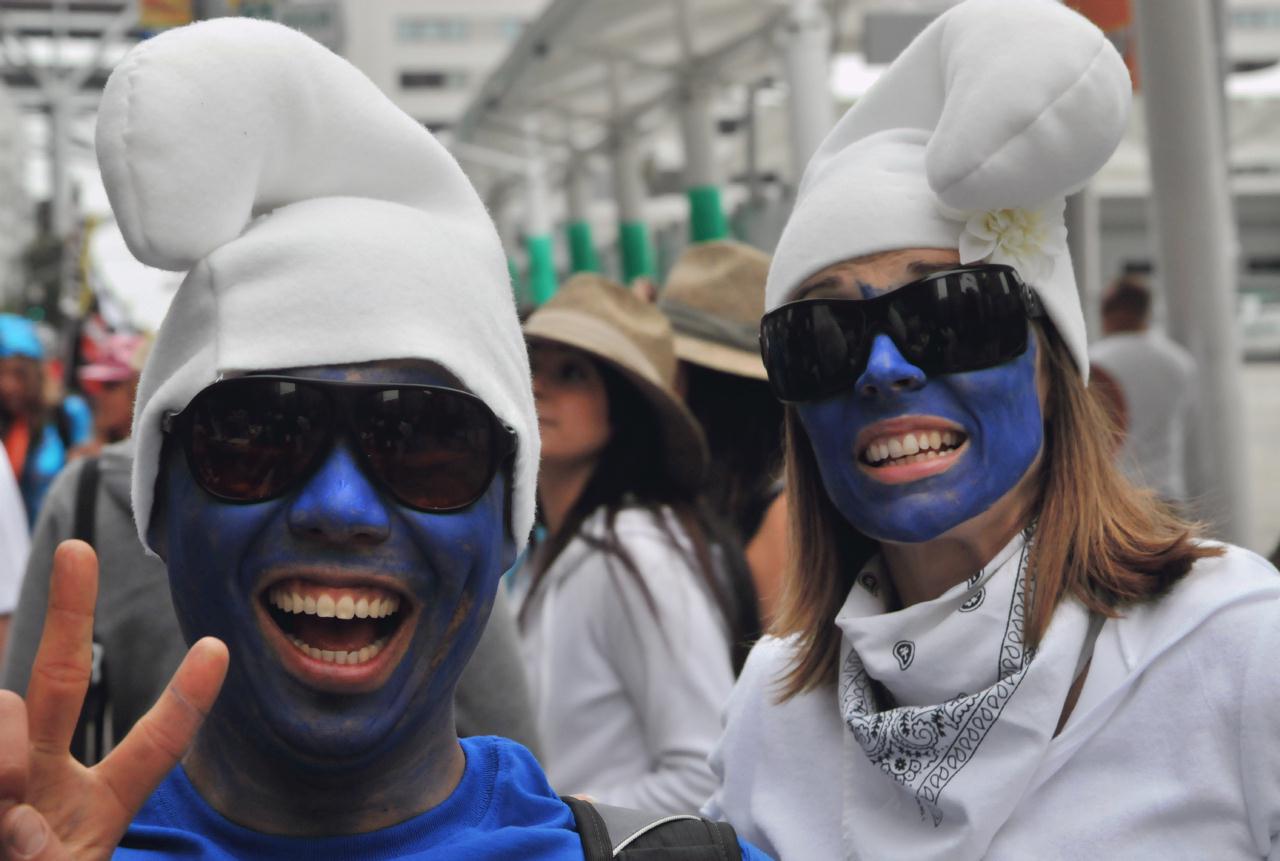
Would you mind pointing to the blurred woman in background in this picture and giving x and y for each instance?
(714, 299)
(627, 608)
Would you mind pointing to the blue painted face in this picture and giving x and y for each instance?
(229, 566)
(973, 437)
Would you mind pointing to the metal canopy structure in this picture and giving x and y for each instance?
(591, 68)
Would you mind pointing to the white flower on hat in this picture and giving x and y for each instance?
(1030, 240)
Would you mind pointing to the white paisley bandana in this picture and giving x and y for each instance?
(949, 713)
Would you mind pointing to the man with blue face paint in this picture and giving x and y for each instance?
(993, 646)
(336, 454)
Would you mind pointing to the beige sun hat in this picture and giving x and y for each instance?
(600, 317)
(715, 298)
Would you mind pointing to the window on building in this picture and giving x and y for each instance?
(421, 28)
(434, 79)
(510, 28)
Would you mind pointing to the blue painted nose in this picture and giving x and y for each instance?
(339, 505)
(887, 372)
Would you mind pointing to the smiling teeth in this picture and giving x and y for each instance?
(368, 653)
(326, 606)
(912, 447)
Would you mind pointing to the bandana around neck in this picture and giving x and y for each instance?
(949, 712)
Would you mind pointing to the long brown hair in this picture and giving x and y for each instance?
(1100, 539)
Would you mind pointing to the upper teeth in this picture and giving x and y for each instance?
(325, 605)
(921, 444)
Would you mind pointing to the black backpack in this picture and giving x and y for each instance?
(616, 832)
(93, 735)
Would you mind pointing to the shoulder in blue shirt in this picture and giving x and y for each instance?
(502, 809)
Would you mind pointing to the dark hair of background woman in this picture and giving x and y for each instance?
(743, 424)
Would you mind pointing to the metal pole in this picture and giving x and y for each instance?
(807, 60)
(634, 247)
(1084, 233)
(702, 184)
(582, 248)
(1195, 236)
(538, 240)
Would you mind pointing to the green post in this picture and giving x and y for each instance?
(582, 249)
(706, 214)
(514, 271)
(637, 253)
(542, 269)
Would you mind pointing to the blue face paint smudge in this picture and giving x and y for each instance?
(449, 563)
(998, 408)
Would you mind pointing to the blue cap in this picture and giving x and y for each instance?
(18, 337)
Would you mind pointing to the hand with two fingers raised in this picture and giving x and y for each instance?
(51, 806)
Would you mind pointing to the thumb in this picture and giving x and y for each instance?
(27, 837)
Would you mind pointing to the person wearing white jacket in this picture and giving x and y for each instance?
(993, 645)
(627, 616)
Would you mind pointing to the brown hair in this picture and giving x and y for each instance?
(1129, 294)
(1100, 539)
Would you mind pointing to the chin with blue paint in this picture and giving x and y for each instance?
(348, 616)
(906, 457)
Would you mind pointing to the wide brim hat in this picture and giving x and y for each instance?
(714, 298)
(611, 324)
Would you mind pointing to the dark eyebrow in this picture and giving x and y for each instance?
(921, 268)
(831, 282)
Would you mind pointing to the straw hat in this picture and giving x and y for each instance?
(602, 318)
(715, 299)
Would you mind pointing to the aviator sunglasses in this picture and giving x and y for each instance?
(963, 319)
(251, 439)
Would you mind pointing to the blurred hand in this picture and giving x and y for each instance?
(51, 806)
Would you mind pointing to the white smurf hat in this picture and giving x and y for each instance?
(320, 225)
(971, 139)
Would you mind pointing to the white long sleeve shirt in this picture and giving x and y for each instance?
(1172, 751)
(629, 676)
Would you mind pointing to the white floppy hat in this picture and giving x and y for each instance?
(320, 225)
(971, 139)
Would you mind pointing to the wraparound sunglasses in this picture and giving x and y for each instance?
(251, 439)
(963, 319)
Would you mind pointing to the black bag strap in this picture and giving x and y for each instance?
(92, 735)
(609, 832)
(86, 500)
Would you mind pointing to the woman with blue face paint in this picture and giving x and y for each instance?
(629, 611)
(992, 646)
(336, 453)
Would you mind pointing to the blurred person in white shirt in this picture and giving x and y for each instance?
(1147, 384)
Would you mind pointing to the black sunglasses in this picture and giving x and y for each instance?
(962, 319)
(250, 439)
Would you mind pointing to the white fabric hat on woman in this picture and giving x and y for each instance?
(971, 140)
(320, 225)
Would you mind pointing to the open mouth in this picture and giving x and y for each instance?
(337, 625)
(337, 633)
(911, 447)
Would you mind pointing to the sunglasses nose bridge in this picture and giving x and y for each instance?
(339, 504)
(887, 371)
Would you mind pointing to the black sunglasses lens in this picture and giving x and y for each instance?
(435, 449)
(811, 350)
(252, 439)
(963, 321)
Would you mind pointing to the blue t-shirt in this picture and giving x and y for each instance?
(503, 809)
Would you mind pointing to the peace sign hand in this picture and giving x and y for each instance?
(52, 808)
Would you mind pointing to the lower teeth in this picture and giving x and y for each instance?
(367, 653)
